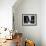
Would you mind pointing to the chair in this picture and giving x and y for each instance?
(18, 39)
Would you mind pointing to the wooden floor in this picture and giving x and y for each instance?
(9, 43)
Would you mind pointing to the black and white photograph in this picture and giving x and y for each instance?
(29, 19)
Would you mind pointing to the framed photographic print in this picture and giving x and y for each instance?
(29, 19)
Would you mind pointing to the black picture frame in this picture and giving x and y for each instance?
(29, 19)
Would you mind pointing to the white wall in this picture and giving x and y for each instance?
(28, 7)
(43, 22)
(6, 13)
